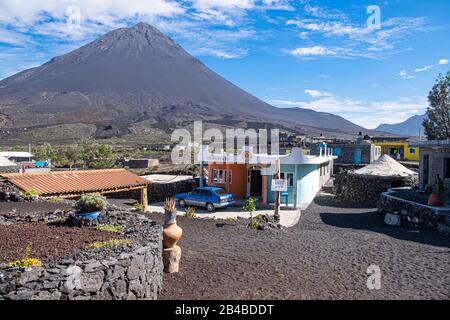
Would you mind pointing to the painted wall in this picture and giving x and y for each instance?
(408, 155)
(238, 185)
(307, 182)
(286, 168)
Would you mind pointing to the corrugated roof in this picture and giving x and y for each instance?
(76, 182)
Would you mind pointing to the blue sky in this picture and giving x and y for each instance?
(321, 55)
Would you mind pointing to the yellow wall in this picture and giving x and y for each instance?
(407, 154)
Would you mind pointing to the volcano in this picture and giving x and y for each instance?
(137, 74)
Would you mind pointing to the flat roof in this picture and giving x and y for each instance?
(432, 143)
(77, 182)
(16, 154)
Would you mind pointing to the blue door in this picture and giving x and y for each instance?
(358, 157)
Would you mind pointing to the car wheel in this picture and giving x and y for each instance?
(210, 207)
(182, 203)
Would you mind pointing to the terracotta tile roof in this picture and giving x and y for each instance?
(76, 182)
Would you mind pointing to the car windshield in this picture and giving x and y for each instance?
(221, 192)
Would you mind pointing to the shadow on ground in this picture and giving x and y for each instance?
(371, 221)
(324, 200)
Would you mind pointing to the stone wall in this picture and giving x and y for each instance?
(159, 191)
(96, 274)
(366, 189)
(9, 192)
(414, 214)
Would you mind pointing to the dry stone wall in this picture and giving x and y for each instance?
(366, 189)
(133, 272)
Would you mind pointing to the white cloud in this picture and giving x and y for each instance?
(368, 114)
(426, 68)
(317, 93)
(314, 51)
(321, 51)
(403, 74)
(335, 28)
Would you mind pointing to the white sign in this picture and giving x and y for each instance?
(279, 185)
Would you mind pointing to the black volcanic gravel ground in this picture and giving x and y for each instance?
(31, 207)
(325, 256)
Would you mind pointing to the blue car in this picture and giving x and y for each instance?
(209, 197)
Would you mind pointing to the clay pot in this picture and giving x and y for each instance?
(435, 200)
(171, 234)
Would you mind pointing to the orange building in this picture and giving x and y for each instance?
(241, 180)
(248, 174)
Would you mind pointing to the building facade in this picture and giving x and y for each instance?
(352, 152)
(398, 147)
(248, 174)
(434, 160)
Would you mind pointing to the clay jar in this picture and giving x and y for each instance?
(172, 232)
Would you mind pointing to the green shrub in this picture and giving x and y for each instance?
(31, 193)
(139, 207)
(91, 203)
(113, 243)
(26, 261)
(110, 228)
(190, 212)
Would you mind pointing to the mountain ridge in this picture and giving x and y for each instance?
(410, 127)
(135, 74)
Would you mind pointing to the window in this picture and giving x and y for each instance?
(289, 177)
(219, 176)
(412, 150)
(447, 168)
(221, 192)
(205, 193)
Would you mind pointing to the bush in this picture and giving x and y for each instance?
(110, 228)
(139, 207)
(31, 194)
(113, 243)
(190, 212)
(91, 203)
(26, 261)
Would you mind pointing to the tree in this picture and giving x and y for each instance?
(437, 124)
(72, 154)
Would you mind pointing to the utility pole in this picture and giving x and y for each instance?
(277, 193)
(201, 166)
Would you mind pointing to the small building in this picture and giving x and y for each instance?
(141, 163)
(7, 166)
(358, 152)
(248, 174)
(6, 163)
(397, 147)
(434, 159)
(72, 184)
(17, 156)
